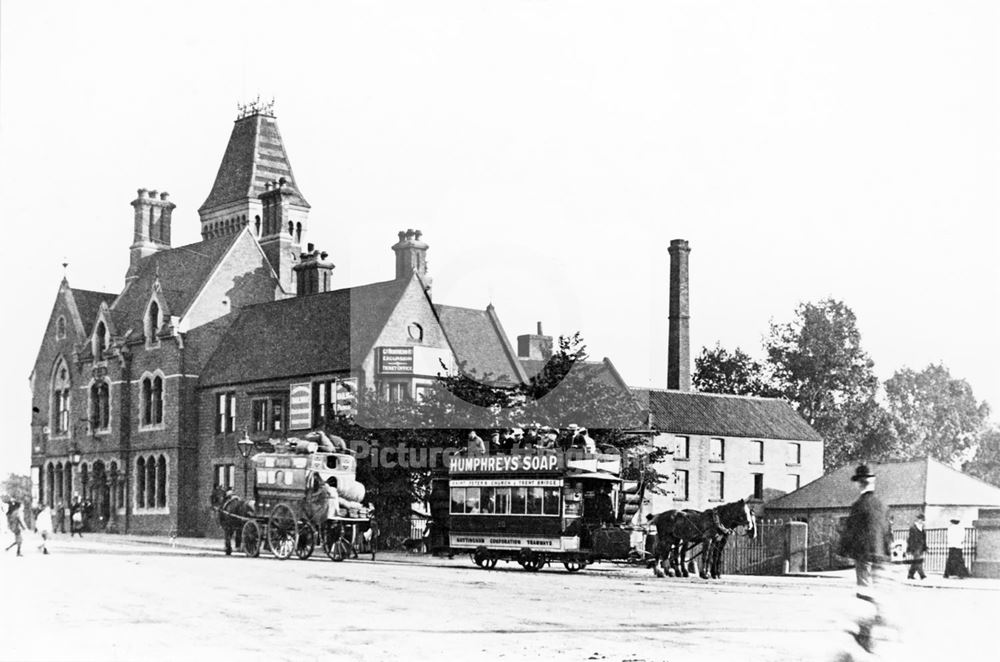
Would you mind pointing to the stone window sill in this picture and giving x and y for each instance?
(756, 462)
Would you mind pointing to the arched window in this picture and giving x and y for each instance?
(150, 482)
(84, 481)
(151, 394)
(100, 341)
(147, 400)
(298, 233)
(256, 224)
(60, 328)
(50, 487)
(60, 398)
(60, 482)
(99, 405)
(140, 483)
(68, 477)
(157, 400)
(290, 227)
(161, 482)
(152, 323)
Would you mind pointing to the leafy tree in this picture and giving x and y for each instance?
(820, 366)
(935, 414)
(718, 370)
(986, 462)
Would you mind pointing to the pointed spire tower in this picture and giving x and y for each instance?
(254, 165)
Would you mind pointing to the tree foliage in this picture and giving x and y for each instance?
(935, 414)
(985, 464)
(718, 370)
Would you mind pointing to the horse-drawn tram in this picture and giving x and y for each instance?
(303, 497)
(537, 507)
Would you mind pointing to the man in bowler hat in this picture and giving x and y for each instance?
(865, 539)
(916, 547)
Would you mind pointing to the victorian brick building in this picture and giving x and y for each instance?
(140, 395)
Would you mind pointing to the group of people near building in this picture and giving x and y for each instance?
(533, 436)
(44, 521)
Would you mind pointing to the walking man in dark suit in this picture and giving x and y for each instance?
(916, 547)
(865, 539)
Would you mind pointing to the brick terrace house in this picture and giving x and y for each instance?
(727, 447)
(151, 386)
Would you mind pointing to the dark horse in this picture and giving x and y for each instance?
(678, 531)
(233, 513)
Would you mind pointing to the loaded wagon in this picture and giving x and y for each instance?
(304, 498)
(536, 507)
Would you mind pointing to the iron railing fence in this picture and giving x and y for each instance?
(937, 548)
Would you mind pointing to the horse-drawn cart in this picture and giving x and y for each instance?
(302, 499)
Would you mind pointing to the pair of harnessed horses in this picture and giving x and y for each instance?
(679, 531)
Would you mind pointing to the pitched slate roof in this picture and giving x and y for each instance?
(88, 302)
(477, 338)
(254, 156)
(686, 412)
(912, 483)
(327, 332)
(603, 370)
(181, 271)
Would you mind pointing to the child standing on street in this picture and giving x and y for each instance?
(43, 524)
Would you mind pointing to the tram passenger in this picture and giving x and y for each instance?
(587, 442)
(476, 446)
(531, 438)
(605, 506)
(549, 438)
(495, 444)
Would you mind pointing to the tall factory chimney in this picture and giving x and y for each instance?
(679, 341)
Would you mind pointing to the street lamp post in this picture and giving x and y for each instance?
(245, 446)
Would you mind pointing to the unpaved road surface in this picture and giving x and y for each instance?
(100, 600)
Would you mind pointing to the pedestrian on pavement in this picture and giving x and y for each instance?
(43, 525)
(60, 512)
(955, 565)
(916, 547)
(15, 522)
(76, 517)
(865, 539)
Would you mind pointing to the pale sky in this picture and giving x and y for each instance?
(548, 150)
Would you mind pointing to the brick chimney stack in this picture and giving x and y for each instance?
(411, 256)
(678, 341)
(313, 273)
(534, 345)
(151, 229)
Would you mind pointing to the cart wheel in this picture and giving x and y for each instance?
(282, 531)
(574, 565)
(251, 539)
(306, 544)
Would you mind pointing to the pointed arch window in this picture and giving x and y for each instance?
(151, 394)
(161, 482)
(140, 483)
(100, 405)
(50, 477)
(100, 341)
(153, 323)
(60, 482)
(61, 386)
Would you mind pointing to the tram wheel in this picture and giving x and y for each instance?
(574, 565)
